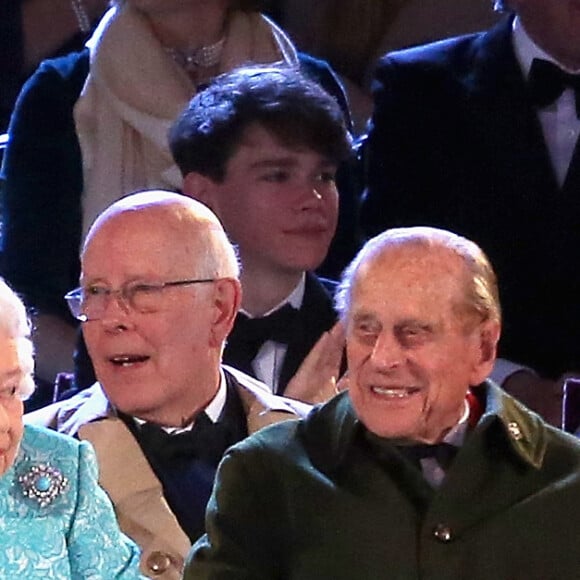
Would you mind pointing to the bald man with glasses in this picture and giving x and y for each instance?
(158, 295)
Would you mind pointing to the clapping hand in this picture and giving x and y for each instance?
(317, 379)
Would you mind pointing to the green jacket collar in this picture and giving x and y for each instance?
(330, 429)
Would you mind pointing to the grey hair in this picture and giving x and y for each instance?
(481, 293)
(219, 257)
(15, 324)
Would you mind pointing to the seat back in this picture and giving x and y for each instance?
(3, 145)
(571, 405)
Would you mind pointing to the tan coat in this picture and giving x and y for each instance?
(126, 476)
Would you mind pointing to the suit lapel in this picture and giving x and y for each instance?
(484, 480)
(572, 183)
(497, 467)
(507, 125)
(316, 315)
(261, 407)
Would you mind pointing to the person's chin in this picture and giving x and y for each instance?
(133, 404)
(306, 260)
(394, 429)
(7, 457)
(392, 414)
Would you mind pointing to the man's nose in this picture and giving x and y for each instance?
(387, 353)
(310, 194)
(116, 310)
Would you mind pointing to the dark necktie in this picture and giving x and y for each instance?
(249, 334)
(547, 82)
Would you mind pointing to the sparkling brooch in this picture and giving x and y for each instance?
(43, 483)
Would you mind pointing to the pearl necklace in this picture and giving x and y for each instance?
(192, 60)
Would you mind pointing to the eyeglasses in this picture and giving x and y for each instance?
(91, 302)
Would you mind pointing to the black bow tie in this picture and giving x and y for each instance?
(275, 326)
(249, 334)
(547, 82)
(443, 453)
(206, 441)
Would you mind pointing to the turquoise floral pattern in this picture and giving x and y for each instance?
(76, 535)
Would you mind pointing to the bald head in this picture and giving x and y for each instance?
(186, 224)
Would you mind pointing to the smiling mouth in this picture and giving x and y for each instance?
(314, 227)
(127, 360)
(398, 393)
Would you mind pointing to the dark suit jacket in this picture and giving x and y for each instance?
(315, 316)
(455, 142)
(309, 499)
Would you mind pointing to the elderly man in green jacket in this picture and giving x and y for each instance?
(424, 468)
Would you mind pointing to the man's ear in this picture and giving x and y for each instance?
(200, 188)
(486, 339)
(227, 298)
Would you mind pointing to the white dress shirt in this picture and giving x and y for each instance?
(560, 123)
(213, 410)
(268, 362)
(432, 471)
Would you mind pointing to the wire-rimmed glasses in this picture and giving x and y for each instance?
(90, 302)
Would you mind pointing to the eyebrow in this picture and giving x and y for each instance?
(366, 316)
(285, 162)
(11, 374)
(363, 313)
(88, 281)
(273, 162)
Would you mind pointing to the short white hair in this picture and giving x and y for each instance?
(15, 324)
(481, 291)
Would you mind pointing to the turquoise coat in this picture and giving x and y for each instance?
(311, 500)
(55, 522)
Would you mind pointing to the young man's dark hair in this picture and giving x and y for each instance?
(261, 147)
(294, 109)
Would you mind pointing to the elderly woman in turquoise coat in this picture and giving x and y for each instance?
(55, 522)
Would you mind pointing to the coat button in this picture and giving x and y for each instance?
(515, 431)
(158, 562)
(443, 533)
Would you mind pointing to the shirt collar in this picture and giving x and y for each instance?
(527, 50)
(525, 431)
(456, 435)
(213, 410)
(217, 404)
(295, 299)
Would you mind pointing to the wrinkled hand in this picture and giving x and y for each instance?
(316, 379)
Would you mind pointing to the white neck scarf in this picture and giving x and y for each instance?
(135, 91)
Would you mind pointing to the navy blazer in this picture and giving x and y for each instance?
(455, 142)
